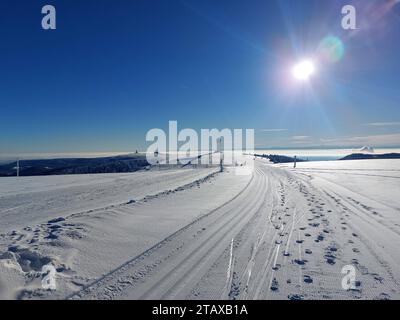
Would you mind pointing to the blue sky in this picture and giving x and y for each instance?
(115, 69)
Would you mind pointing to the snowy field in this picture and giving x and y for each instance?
(376, 179)
(280, 233)
(29, 200)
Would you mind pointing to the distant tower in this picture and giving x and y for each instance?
(18, 168)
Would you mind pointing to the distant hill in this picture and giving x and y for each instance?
(128, 163)
(367, 150)
(362, 156)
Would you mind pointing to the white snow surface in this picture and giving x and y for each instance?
(28, 200)
(280, 233)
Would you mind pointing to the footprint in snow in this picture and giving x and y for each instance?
(330, 259)
(383, 296)
(276, 267)
(274, 285)
(300, 262)
(308, 279)
(357, 287)
(377, 277)
(295, 297)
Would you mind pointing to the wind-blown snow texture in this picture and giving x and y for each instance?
(281, 233)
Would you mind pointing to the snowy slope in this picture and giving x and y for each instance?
(375, 179)
(281, 233)
(90, 243)
(26, 201)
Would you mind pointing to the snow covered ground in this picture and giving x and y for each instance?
(365, 177)
(29, 200)
(280, 233)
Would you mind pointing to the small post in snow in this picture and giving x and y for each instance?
(221, 154)
(295, 161)
(17, 167)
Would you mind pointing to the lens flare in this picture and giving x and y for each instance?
(331, 49)
(303, 70)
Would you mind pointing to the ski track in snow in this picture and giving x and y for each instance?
(286, 235)
(190, 266)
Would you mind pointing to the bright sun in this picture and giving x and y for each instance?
(303, 70)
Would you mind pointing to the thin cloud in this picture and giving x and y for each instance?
(297, 138)
(372, 140)
(273, 130)
(382, 124)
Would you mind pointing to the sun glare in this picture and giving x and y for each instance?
(303, 70)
